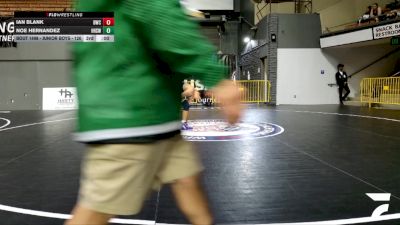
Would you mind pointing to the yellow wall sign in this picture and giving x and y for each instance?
(386, 88)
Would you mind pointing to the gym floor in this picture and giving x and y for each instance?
(318, 167)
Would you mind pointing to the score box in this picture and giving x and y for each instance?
(108, 21)
(108, 30)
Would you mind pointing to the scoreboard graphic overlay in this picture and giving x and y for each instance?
(64, 26)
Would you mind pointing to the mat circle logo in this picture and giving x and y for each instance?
(219, 130)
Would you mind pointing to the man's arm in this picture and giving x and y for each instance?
(337, 78)
(346, 75)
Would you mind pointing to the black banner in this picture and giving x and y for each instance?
(64, 14)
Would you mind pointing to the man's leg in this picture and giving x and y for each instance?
(182, 169)
(82, 215)
(340, 94)
(192, 201)
(185, 115)
(347, 89)
(115, 180)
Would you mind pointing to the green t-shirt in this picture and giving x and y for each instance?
(132, 87)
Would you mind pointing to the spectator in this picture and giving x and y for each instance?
(375, 12)
(393, 14)
(393, 10)
(365, 17)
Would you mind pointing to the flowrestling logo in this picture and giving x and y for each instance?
(7, 29)
(219, 130)
(380, 197)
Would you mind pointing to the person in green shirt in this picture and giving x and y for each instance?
(129, 113)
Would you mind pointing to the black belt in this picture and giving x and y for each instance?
(138, 140)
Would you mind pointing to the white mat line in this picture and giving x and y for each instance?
(67, 216)
(33, 124)
(341, 114)
(150, 222)
(7, 123)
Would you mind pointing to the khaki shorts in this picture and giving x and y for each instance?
(117, 178)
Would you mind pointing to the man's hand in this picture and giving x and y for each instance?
(228, 95)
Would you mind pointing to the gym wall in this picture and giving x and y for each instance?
(300, 81)
(303, 72)
(229, 39)
(247, 10)
(29, 68)
(286, 7)
(289, 31)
